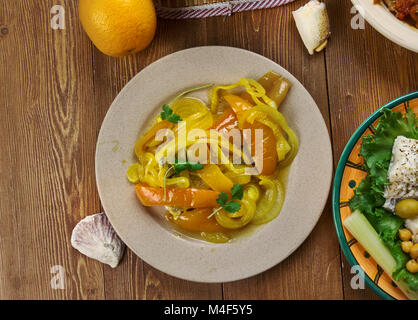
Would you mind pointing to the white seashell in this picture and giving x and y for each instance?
(313, 25)
(95, 237)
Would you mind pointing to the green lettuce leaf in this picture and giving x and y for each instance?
(376, 150)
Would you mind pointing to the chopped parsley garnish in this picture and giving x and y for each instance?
(229, 205)
(168, 114)
(192, 166)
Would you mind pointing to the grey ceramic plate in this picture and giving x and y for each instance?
(146, 233)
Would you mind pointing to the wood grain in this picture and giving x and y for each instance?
(55, 89)
(364, 71)
(273, 34)
(48, 159)
(110, 75)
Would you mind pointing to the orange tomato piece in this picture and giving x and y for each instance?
(197, 220)
(176, 197)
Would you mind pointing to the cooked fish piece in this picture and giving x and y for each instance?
(313, 25)
(402, 172)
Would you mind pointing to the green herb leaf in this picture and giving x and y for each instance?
(174, 118)
(222, 199)
(168, 114)
(232, 206)
(181, 166)
(237, 192)
(195, 166)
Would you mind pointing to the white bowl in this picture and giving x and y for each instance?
(145, 231)
(385, 22)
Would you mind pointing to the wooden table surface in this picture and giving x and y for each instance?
(55, 89)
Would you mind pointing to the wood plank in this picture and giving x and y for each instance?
(172, 36)
(273, 34)
(110, 75)
(48, 156)
(52, 107)
(364, 70)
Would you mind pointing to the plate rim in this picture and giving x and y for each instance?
(329, 183)
(369, 16)
(337, 185)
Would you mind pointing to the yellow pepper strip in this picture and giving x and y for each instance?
(222, 143)
(238, 104)
(186, 107)
(257, 92)
(180, 182)
(238, 178)
(252, 87)
(133, 173)
(214, 99)
(282, 145)
(276, 86)
(194, 112)
(140, 145)
(148, 170)
(271, 202)
(236, 169)
(277, 118)
(253, 192)
(246, 214)
(215, 179)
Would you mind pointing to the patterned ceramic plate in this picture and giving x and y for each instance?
(349, 174)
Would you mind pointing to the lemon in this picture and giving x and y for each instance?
(118, 27)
